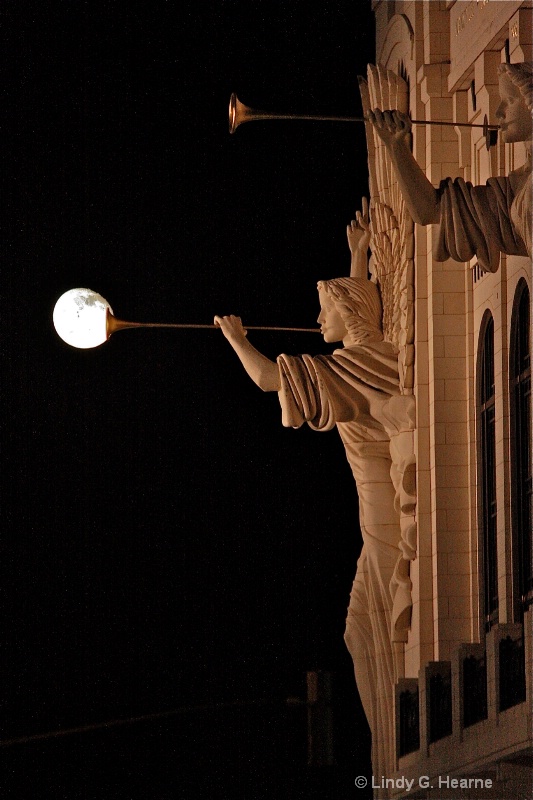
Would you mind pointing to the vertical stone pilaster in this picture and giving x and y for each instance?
(521, 36)
(447, 411)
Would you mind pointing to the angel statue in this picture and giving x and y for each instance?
(347, 390)
(473, 220)
(392, 268)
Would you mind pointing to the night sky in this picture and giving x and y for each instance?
(166, 542)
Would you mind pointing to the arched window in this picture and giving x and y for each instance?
(487, 471)
(521, 489)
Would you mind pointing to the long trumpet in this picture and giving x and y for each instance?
(84, 319)
(239, 113)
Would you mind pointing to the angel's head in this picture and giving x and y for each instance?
(516, 94)
(350, 311)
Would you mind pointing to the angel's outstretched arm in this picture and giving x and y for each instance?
(263, 371)
(420, 195)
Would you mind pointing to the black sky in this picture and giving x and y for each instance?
(165, 541)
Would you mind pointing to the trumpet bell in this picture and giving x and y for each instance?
(232, 116)
(239, 113)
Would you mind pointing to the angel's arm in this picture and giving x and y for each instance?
(263, 371)
(421, 197)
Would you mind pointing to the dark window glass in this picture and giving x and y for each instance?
(512, 672)
(440, 704)
(487, 474)
(409, 722)
(521, 489)
(474, 689)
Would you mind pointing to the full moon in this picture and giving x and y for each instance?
(80, 318)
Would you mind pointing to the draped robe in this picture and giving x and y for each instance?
(347, 389)
(485, 220)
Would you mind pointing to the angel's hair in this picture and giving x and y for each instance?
(522, 77)
(358, 302)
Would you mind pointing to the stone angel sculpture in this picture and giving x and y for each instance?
(479, 221)
(392, 266)
(349, 390)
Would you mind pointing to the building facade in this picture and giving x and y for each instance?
(463, 697)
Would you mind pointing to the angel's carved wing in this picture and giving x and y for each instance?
(392, 228)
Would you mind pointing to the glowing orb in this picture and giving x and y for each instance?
(80, 318)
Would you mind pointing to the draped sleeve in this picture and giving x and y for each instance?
(342, 387)
(476, 221)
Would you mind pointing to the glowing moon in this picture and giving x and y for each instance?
(80, 318)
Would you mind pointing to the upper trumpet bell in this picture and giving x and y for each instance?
(239, 113)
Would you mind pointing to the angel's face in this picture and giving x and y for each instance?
(512, 114)
(331, 323)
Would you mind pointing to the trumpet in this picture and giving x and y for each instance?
(239, 113)
(84, 319)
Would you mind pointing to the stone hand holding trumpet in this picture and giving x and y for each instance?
(261, 369)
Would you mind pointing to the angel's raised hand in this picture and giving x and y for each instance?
(358, 231)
